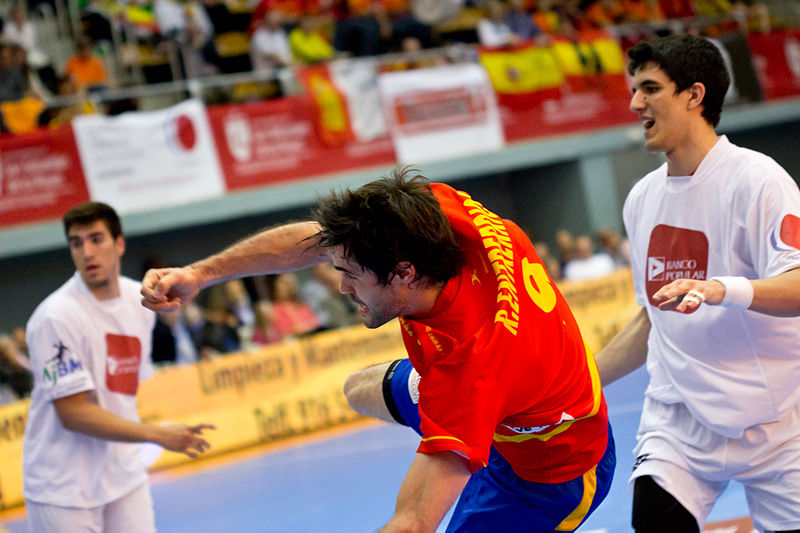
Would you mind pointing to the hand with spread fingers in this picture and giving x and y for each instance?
(686, 295)
(185, 439)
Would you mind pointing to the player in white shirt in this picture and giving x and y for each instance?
(89, 344)
(715, 253)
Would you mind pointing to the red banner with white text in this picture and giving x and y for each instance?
(40, 176)
(263, 143)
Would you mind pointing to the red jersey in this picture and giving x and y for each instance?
(502, 360)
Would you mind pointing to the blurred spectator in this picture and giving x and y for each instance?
(239, 304)
(550, 262)
(269, 45)
(494, 30)
(13, 78)
(751, 15)
(612, 244)
(163, 350)
(19, 30)
(642, 11)
(177, 340)
(362, 27)
(586, 264)
(412, 56)
(86, 70)
(521, 22)
(18, 336)
(264, 332)
(20, 105)
(332, 308)
(16, 380)
(307, 42)
(219, 333)
(291, 316)
(546, 16)
(673, 9)
(55, 116)
(186, 25)
(603, 13)
(290, 11)
(565, 247)
(403, 25)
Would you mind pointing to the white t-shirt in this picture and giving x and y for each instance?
(78, 343)
(738, 215)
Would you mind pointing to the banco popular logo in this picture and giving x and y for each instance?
(59, 366)
(674, 253)
(655, 268)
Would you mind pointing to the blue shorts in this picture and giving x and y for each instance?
(497, 499)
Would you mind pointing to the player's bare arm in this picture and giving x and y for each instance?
(281, 249)
(429, 489)
(776, 296)
(626, 352)
(77, 413)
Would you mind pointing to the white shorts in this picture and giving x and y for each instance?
(132, 513)
(694, 464)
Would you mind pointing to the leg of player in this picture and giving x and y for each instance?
(657, 511)
(387, 391)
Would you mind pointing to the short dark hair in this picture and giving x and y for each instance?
(686, 60)
(86, 213)
(393, 219)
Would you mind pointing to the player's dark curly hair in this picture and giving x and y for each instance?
(388, 221)
(86, 213)
(686, 60)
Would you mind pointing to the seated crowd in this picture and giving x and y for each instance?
(243, 315)
(225, 36)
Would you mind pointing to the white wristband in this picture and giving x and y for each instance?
(738, 291)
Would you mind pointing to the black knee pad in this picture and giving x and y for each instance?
(657, 511)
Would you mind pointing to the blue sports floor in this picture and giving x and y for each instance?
(348, 483)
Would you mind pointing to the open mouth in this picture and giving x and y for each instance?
(648, 124)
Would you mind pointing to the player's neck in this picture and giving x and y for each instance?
(108, 290)
(684, 159)
(424, 299)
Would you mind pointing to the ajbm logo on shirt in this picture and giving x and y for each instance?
(674, 253)
(122, 363)
(60, 365)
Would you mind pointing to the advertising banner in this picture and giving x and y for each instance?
(440, 112)
(250, 377)
(146, 160)
(12, 427)
(262, 143)
(40, 176)
(601, 306)
(776, 57)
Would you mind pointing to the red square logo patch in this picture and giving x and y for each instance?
(674, 253)
(122, 363)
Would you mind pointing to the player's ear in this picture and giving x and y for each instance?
(405, 272)
(697, 93)
(120, 242)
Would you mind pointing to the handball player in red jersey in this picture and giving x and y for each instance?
(498, 381)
